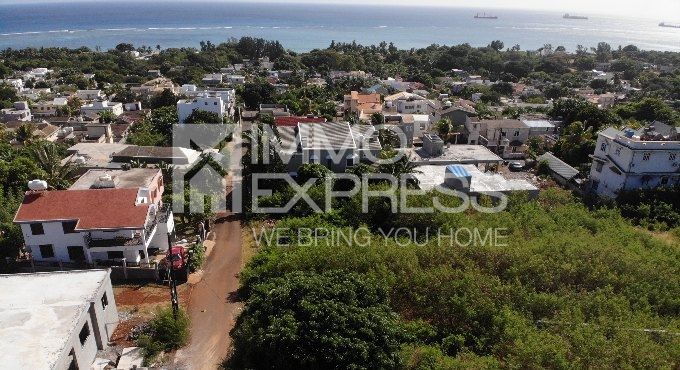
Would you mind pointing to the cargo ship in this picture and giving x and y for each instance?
(484, 16)
(663, 24)
(569, 16)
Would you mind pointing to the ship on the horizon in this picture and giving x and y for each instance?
(484, 16)
(664, 24)
(569, 16)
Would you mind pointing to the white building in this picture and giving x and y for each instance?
(234, 80)
(16, 83)
(409, 103)
(37, 73)
(98, 224)
(55, 320)
(35, 94)
(90, 94)
(49, 108)
(643, 159)
(20, 112)
(213, 104)
(97, 107)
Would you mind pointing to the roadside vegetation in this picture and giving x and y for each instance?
(572, 287)
(164, 333)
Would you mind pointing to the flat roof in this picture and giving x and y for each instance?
(96, 154)
(457, 154)
(38, 313)
(538, 123)
(123, 179)
(432, 176)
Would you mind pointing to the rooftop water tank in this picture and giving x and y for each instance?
(37, 185)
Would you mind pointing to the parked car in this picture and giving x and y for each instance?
(177, 261)
(516, 166)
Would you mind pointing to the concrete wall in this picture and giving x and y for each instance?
(101, 322)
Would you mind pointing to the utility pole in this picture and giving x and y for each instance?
(174, 300)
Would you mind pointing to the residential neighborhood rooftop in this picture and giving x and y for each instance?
(38, 312)
(457, 154)
(92, 208)
(123, 179)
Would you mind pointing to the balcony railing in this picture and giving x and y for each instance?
(112, 243)
(159, 216)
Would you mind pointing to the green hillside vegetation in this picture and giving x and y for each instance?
(573, 288)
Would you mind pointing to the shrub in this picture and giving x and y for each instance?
(196, 257)
(316, 321)
(165, 333)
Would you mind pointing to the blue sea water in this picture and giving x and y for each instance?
(304, 27)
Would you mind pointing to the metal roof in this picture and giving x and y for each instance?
(558, 166)
(457, 170)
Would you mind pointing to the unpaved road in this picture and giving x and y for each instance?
(212, 305)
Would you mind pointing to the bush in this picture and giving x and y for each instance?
(333, 320)
(196, 257)
(164, 333)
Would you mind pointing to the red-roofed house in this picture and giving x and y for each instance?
(294, 120)
(94, 225)
(363, 103)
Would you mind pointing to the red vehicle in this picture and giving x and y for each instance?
(177, 260)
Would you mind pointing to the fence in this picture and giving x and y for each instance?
(119, 272)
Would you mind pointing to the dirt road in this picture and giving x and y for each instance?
(212, 306)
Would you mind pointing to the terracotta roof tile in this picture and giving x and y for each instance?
(93, 208)
(293, 120)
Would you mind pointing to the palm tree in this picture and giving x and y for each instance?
(59, 175)
(25, 133)
(403, 165)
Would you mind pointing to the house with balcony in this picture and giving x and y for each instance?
(20, 111)
(228, 96)
(97, 107)
(50, 107)
(99, 225)
(505, 137)
(90, 94)
(362, 104)
(409, 103)
(213, 104)
(635, 159)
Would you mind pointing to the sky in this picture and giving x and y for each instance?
(658, 9)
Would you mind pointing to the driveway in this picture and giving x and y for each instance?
(213, 307)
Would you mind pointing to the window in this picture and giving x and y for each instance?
(603, 147)
(645, 156)
(598, 166)
(84, 333)
(37, 229)
(516, 134)
(671, 157)
(69, 227)
(115, 254)
(105, 301)
(46, 251)
(350, 162)
(618, 151)
(76, 253)
(664, 180)
(142, 255)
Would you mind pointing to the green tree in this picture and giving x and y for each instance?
(334, 319)
(48, 157)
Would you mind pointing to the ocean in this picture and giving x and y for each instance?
(304, 27)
